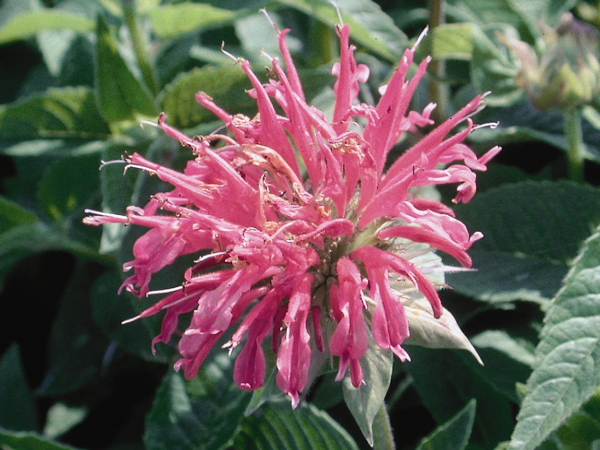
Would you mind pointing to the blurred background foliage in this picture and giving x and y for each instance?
(78, 76)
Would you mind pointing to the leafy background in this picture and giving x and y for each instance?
(76, 78)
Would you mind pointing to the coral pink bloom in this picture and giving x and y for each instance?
(310, 233)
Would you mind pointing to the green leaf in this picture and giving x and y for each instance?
(68, 185)
(277, 427)
(169, 21)
(371, 27)
(445, 380)
(521, 122)
(121, 96)
(18, 408)
(582, 429)
(491, 68)
(204, 413)
(27, 238)
(109, 310)
(364, 402)
(508, 361)
(12, 215)
(454, 434)
(61, 418)
(493, 12)
(10, 440)
(532, 230)
(226, 85)
(452, 41)
(77, 346)
(30, 23)
(427, 331)
(567, 371)
(57, 113)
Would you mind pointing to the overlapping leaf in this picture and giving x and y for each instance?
(531, 231)
(567, 371)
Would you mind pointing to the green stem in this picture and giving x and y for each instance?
(576, 146)
(139, 45)
(324, 44)
(383, 437)
(439, 92)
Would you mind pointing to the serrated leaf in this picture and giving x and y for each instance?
(491, 68)
(121, 96)
(567, 370)
(370, 26)
(28, 441)
(582, 430)
(531, 232)
(57, 113)
(454, 434)
(492, 12)
(18, 408)
(226, 85)
(204, 413)
(169, 21)
(276, 426)
(30, 23)
(364, 403)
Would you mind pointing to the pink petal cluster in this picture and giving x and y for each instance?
(301, 228)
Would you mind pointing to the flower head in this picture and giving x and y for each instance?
(567, 72)
(315, 242)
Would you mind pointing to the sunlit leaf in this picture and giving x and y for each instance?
(30, 23)
(169, 21)
(57, 113)
(121, 96)
(567, 370)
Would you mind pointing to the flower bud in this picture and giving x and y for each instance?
(566, 73)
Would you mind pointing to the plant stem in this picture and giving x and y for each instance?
(139, 47)
(438, 89)
(576, 145)
(324, 45)
(383, 438)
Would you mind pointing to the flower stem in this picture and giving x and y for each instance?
(383, 438)
(576, 145)
(324, 45)
(139, 47)
(438, 88)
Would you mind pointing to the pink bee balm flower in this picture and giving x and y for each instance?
(310, 233)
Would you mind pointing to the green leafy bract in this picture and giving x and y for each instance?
(364, 403)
